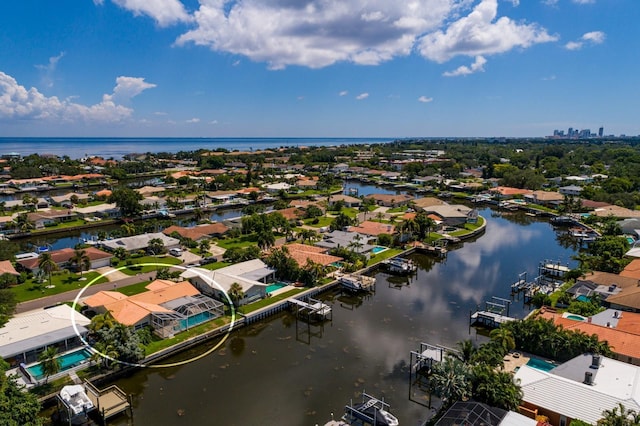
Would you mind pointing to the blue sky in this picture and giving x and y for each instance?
(318, 68)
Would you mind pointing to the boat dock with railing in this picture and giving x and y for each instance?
(399, 265)
(495, 313)
(371, 411)
(353, 282)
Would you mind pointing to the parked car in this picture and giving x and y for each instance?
(175, 252)
(207, 260)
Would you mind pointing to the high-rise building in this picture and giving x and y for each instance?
(601, 132)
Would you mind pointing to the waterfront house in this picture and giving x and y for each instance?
(302, 253)
(45, 218)
(166, 306)
(253, 277)
(621, 330)
(97, 258)
(25, 336)
(274, 188)
(472, 413)
(373, 229)
(422, 204)
(550, 199)
(346, 199)
(391, 200)
(65, 200)
(198, 232)
(104, 211)
(580, 389)
(617, 212)
(453, 214)
(351, 240)
(139, 242)
(507, 192)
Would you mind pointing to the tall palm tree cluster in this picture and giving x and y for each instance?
(417, 228)
(542, 337)
(471, 372)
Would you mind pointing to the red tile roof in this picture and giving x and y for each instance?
(373, 228)
(302, 253)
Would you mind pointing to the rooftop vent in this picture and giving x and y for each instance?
(588, 378)
(595, 361)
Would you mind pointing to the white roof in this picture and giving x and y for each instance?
(35, 329)
(138, 242)
(614, 382)
(517, 419)
(246, 274)
(96, 208)
(278, 186)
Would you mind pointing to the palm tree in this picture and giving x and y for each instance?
(47, 264)
(22, 223)
(626, 417)
(129, 228)
(120, 253)
(309, 235)
(81, 260)
(198, 214)
(503, 338)
(236, 294)
(101, 321)
(355, 245)
(266, 239)
(156, 246)
(49, 363)
(204, 246)
(449, 380)
(466, 349)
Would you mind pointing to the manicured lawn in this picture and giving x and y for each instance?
(214, 266)
(269, 301)
(160, 344)
(135, 269)
(64, 225)
(62, 282)
(322, 221)
(132, 289)
(384, 255)
(242, 242)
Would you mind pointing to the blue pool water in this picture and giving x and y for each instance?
(195, 320)
(539, 364)
(630, 240)
(378, 249)
(67, 361)
(275, 286)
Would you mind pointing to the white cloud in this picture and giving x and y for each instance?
(424, 99)
(477, 66)
(49, 69)
(479, 33)
(595, 37)
(362, 96)
(16, 102)
(193, 120)
(573, 45)
(584, 1)
(164, 12)
(515, 3)
(550, 78)
(592, 37)
(550, 2)
(343, 93)
(129, 87)
(319, 33)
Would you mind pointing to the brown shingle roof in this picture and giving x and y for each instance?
(301, 253)
(632, 270)
(6, 267)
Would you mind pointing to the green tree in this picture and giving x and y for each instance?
(7, 305)
(265, 239)
(156, 246)
(503, 337)
(49, 362)
(236, 293)
(80, 260)
(204, 246)
(619, 416)
(495, 388)
(17, 407)
(47, 264)
(127, 200)
(450, 380)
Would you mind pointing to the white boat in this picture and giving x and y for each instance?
(400, 266)
(356, 282)
(76, 399)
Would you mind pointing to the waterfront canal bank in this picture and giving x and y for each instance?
(279, 371)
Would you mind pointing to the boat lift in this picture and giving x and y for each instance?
(372, 411)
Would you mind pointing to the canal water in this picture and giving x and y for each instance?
(280, 372)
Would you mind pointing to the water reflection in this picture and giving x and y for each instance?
(274, 373)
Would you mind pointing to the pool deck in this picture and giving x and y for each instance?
(513, 360)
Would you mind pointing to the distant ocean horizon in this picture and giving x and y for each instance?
(118, 147)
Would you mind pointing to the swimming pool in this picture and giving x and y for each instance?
(67, 361)
(195, 320)
(275, 286)
(575, 317)
(378, 249)
(539, 364)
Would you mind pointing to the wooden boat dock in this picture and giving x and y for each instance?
(109, 401)
(313, 309)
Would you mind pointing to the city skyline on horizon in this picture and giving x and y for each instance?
(352, 69)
